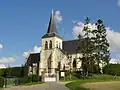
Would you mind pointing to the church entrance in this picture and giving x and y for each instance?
(50, 73)
(49, 77)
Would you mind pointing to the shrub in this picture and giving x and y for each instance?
(31, 78)
(1, 81)
(112, 69)
(34, 78)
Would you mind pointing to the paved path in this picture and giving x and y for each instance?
(44, 86)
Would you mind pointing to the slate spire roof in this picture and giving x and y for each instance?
(52, 26)
(52, 31)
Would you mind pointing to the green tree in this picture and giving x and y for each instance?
(101, 45)
(86, 48)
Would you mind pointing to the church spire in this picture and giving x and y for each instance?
(52, 26)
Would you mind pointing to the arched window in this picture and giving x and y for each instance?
(46, 45)
(74, 63)
(50, 44)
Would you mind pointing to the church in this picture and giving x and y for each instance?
(55, 56)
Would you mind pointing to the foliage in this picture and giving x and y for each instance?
(13, 72)
(2, 72)
(1, 82)
(31, 78)
(34, 78)
(24, 80)
(94, 47)
(86, 48)
(101, 50)
(112, 69)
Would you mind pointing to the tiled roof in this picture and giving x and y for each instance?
(33, 58)
(71, 46)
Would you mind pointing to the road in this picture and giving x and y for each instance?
(44, 86)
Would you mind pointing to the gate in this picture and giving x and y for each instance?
(48, 77)
(11, 82)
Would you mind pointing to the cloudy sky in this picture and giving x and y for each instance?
(24, 22)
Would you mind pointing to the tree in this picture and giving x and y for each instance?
(86, 48)
(101, 45)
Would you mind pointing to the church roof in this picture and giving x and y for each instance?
(52, 31)
(70, 46)
(52, 26)
(33, 58)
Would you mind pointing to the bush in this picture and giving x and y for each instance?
(31, 78)
(112, 69)
(24, 80)
(34, 78)
(2, 72)
(1, 82)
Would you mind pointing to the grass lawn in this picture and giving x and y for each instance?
(32, 83)
(77, 85)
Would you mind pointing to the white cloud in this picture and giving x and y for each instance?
(2, 66)
(118, 3)
(78, 27)
(58, 16)
(113, 37)
(36, 49)
(7, 60)
(1, 46)
(114, 61)
(114, 40)
(26, 54)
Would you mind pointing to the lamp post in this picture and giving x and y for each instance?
(70, 58)
(32, 71)
(5, 77)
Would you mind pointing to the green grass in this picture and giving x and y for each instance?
(32, 83)
(75, 85)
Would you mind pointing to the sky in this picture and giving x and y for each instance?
(24, 22)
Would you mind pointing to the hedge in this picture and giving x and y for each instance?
(1, 82)
(112, 69)
(31, 78)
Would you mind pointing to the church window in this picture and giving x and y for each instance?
(46, 45)
(74, 63)
(50, 44)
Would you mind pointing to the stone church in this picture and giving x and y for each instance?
(56, 54)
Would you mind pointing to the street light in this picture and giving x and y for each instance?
(70, 58)
(5, 77)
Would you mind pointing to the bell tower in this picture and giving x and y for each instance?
(50, 41)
